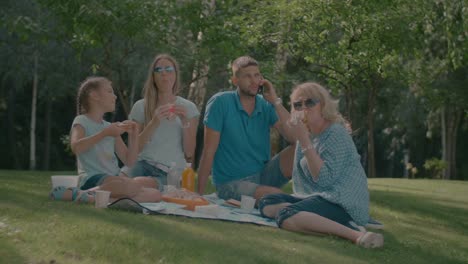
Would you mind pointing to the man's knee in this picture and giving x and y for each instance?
(287, 160)
(263, 190)
(234, 190)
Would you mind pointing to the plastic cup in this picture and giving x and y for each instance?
(296, 117)
(101, 199)
(173, 178)
(64, 180)
(247, 203)
(169, 188)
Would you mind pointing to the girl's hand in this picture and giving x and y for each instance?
(114, 130)
(131, 127)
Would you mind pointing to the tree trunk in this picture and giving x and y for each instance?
(132, 94)
(121, 95)
(450, 119)
(47, 133)
(281, 59)
(443, 133)
(370, 132)
(197, 88)
(406, 159)
(32, 147)
(11, 127)
(349, 103)
(457, 118)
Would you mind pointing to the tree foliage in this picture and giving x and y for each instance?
(398, 67)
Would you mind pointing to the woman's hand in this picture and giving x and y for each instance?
(181, 112)
(163, 112)
(298, 129)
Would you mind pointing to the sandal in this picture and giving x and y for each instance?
(370, 240)
(58, 192)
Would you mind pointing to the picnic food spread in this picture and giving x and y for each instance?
(184, 197)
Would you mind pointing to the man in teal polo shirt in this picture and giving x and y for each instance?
(237, 137)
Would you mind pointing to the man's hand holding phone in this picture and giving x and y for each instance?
(269, 92)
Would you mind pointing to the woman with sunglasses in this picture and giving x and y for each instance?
(329, 184)
(168, 123)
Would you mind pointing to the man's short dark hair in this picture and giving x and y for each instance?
(242, 62)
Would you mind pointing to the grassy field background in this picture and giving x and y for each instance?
(426, 221)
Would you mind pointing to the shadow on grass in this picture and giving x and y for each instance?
(427, 230)
(170, 235)
(179, 239)
(399, 250)
(424, 187)
(177, 234)
(8, 252)
(425, 206)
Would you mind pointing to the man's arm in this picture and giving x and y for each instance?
(281, 125)
(211, 138)
(283, 114)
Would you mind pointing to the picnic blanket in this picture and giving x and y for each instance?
(223, 211)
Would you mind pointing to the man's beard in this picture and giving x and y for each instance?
(247, 92)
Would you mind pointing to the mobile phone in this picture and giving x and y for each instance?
(260, 89)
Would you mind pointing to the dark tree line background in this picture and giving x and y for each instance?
(399, 69)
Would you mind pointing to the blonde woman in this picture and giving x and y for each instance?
(329, 183)
(168, 123)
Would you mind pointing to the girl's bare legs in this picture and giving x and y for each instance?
(148, 195)
(144, 181)
(120, 187)
(127, 187)
(147, 182)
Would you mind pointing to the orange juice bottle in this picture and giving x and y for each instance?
(188, 178)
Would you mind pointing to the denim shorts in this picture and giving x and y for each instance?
(271, 175)
(313, 204)
(94, 181)
(144, 168)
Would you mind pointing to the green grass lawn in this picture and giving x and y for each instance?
(426, 221)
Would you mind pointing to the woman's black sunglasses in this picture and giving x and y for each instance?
(308, 103)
